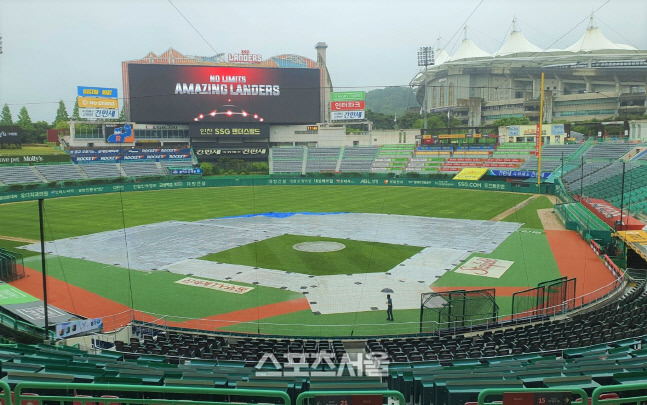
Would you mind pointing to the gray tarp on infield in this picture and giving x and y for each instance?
(173, 246)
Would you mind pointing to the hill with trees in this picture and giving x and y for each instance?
(391, 100)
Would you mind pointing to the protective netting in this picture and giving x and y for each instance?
(11, 266)
(548, 298)
(458, 308)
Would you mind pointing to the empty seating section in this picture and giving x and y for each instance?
(604, 180)
(557, 151)
(590, 173)
(428, 158)
(551, 157)
(19, 174)
(287, 160)
(322, 159)
(60, 172)
(142, 169)
(599, 175)
(605, 345)
(167, 165)
(246, 350)
(608, 150)
(101, 170)
(521, 150)
(609, 187)
(620, 319)
(547, 165)
(424, 164)
(473, 151)
(69, 172)
(176, 163)
(358, 159)
(433, 151)
(392, 158)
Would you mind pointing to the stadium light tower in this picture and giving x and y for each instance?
(425, 58)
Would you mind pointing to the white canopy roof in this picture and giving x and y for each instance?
(469, 50)
(594, 40)
(441, 57)
(517, 43)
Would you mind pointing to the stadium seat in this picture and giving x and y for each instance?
(28, 401)
(106, 397)
(83, 402)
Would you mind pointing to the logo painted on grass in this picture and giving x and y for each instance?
(215, 285)
(484, 266)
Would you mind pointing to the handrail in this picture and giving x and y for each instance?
(22, 388)
(500, 391)
(595, 395)
(5, 397)
(384, 393)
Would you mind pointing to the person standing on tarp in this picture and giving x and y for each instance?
(389, 308)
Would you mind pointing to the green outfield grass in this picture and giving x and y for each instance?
(15, 247)
(278, 253)
(32, 150)
(533, 263)
(528, 215)
(74, 216)
(156, 292)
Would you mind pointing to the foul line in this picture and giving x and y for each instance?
(17, 239)
(82, 302)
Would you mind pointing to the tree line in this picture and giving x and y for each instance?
(36, 132)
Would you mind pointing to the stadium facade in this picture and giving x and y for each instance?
(172, 100)
(594, 78)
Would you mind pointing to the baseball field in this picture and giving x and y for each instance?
(255, 259)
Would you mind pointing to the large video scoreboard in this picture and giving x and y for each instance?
(180, 94)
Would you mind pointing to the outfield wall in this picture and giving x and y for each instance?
(75, 191)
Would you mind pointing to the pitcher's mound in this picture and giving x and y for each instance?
(319, 247)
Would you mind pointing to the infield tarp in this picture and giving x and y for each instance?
(175, 246)
(148, 245)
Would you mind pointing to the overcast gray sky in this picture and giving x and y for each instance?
(50, 47)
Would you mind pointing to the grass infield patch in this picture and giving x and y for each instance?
(528, 215)
(278, 253)
(15, 247)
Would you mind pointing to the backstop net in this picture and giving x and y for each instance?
(548, 298)
(528, 303)
(458, 308)
(559, 296)
(11, 266)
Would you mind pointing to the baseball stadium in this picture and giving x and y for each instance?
(231, 242)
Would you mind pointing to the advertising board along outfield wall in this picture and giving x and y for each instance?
(32, 159)
(91, 189)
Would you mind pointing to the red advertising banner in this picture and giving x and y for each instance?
(347, 105)
(537, 141)
(611, 215)
(465, 160)
(506, 165)
(505, 160)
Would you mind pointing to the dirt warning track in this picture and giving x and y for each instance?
(81, 302)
